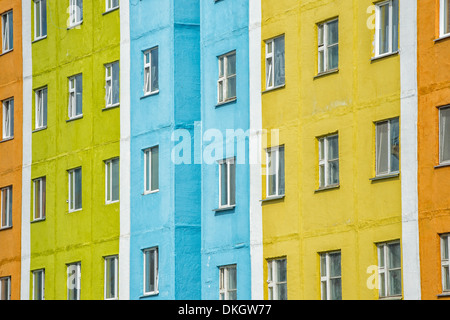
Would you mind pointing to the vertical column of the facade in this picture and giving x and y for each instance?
(256, 246)
(11, 144)
(225, 167)
(74, 184)
(409, 115)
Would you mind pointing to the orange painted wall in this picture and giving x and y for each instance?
(434, 183)
(11, 150)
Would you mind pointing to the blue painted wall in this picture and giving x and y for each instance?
(225, 235)
(170, 218)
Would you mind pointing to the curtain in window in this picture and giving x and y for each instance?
(279, 61)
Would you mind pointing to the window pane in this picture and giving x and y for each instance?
(322, 175)
(150, 271)
(79, 94)
(269, 72)
(333, 148)
(80, 9)
(446, 278)
(445, 134)
(323, 288)
(38, 285)
(281, 180)
(395, 282)
(282, 272)
(223, 184)
(279, 61)
(272, 173)
(115, 83)
(10, 22)
(155, 82)
(395, 145)
(155, 168)
(320, 35)
(446, 16)
(110, 277)
(333, 32)
(336, 289)
(4, 293)
(232, 278)
(44, 107)
(37, 199)
(394, 256)
(231, 87)
(270, 271)
(335, 265)
(445, 240)
(395, 17)
(231, 64)
(382, 285)
(232, 295)
(115, 174)
(323, 265)
(334, 172)
(37, 14)
(232, 183)
(382, 148)
(383, 41)
(147, 159)
(282, 291)
(78, 189)
(321, 61)
(333, 57)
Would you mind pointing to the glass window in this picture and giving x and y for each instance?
(8, 119)
(75, 187)
(75, 96)
(275, 62)
(444, 17)
(330, 276)
(227, 182)
(112, 175)
(111, 4)
(445, 254)
(7, 31)
(40, 19)
(387, 147)
(6, 207)
(226, 85)
(228, 283)
(328, 161)
(41, 108)
(111, 277)
(389, 269)
(151, 170)
(5, 288)
(386, 21)
(38, 284)
(277, 279)
(39, 198)
(76, 12)
(151, 271)
(275, 171)
(444, 134)
(151, 82)
(328, 45)
(112, 86)
(74, 281)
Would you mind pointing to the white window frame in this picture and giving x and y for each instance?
(36, 273)
(275, 150)
(443, 10)
(378, 6)
(382, 248)
(40, 107)
(39, 36)
(116, 277)
(2, 283)
(72, 189)
(42, 200)
(75, 13)
(229, 162)
(154, 251)
(109, 5)
(148, 72)
(326, 279)
(224, 277)
(6, 45)
(148, 158)
(441, 135)
(270, 55)
(272, 278)
(445, 264)
(224, 78)
(109, 175)
(109, 87)
(377, 151)
(73, 83)
(325, 46)
(77, 266)
(8, 113)
(324, 161)
(8, 223)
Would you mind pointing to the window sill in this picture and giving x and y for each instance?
(150, 192)
(441, 38)
(5, 228)
(110, 10)
(74, 118)
(150, 94)
(38, 220)
(326, 73)
(39, 129)
(443, 295)
(274, 88)
(229, 101)
(384, 55)
(7, 51)
(225, 208)
(6, 140)
(39, 39)
(77, 210)
(332, 187)
(273, 198)
(442, 165)
(75, 25)
(386, 176)
(391, 298)
(111, 202)
(115, 106)
(146, 295)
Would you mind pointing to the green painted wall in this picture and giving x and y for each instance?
(92, 233)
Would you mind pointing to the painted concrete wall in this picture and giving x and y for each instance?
(360, 212)
(11, 150)
(169, 218)
(226, 234)
(434, 92)
(92, 233)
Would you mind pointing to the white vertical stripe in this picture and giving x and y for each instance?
(409, 167)
(26, 161)
(256, 248)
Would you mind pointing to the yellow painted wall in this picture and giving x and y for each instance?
(360, 213)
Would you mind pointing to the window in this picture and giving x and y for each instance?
(41, 108)
(330, 276)
(39, 195)
(151, 84)
(228, 283)
(227, 183)
(151, 170)
(40, 19)
(444, 18)
(74, 281)
(275, 71)
(75, 96)
(275, 172)
(6, 207)
(444, 134)
(226, 85)
(386, 29)
(328, 46)
(112, 180)
(277, 279)
(75, 190)
(112, 84)
(388, 147)
(76, 12)
(111, 4)
(389, 269)
(328, 161)
(111, 277)
(7, 31)
(8, 119)
(151, 271)
(445, 254)
(38, 284)
(5, 288)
